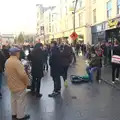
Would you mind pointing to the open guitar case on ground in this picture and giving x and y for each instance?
(75, 79)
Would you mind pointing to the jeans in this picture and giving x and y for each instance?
(90, 71)
(115, 71)
(0, 80)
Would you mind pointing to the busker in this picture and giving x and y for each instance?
(17, 81)
(95, 63)
(55, 68)
(37, 57)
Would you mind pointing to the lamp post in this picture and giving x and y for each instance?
(75, 5)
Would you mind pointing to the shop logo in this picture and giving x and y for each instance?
(112, 23)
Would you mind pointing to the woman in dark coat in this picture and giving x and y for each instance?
(66, 58)
(36, 58)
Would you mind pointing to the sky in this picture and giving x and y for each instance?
(20, 15)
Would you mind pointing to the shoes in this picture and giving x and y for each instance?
(66, 83)
(25, 118)
(113, 82)
(38, 95)
(54, 94)
(14, 116)
(0, 95)
(117, 79)
(99, 81)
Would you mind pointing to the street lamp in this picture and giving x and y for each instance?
(74, 2)
(75, 5)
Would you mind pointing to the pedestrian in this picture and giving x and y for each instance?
(55, 68)
(18, 81)
(116, 62)
(66, 59)
(77, 48)
(36, 57)
(5, 51)
(2, 62)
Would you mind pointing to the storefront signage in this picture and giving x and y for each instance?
(113, 23)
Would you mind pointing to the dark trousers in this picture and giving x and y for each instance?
(36, 83)
(57, 83)
(115, 71)
(64, 72)
(74, 58)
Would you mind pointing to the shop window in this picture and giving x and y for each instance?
(109, 8)
(118, 6)
(94, 16)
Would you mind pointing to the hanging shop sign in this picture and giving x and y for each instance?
(113, 23)
(74, 36)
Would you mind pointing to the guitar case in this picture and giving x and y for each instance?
(79, 79)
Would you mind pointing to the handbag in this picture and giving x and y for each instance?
(116, 59)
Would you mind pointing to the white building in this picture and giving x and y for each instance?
(7, 38)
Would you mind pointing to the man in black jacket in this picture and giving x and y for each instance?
(55, 68)
(36, 57)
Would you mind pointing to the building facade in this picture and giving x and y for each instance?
(105, 20)
(95, 20)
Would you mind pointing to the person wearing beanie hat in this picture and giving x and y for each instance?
(17, 81)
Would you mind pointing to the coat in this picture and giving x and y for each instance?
(55, 62)
(95, 61)
(17, 79)
(37, 57)
(66, 55)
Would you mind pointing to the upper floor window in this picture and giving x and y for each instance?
(109, 8)
(94, 1)
(80, 19)
(118, 6)
(81, 3)
(94, 16)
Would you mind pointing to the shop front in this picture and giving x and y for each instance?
(113, 30)
(98, 33)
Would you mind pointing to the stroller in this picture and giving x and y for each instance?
(27, 67)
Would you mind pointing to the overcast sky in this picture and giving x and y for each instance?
(20, 15)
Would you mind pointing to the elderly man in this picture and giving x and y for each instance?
(17, 81)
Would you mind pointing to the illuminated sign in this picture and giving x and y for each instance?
(113, 23)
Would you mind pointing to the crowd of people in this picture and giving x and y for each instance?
(57, 58)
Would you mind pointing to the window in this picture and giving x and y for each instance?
(66, 10)
(49, 28)
(94, 16)
(80, 19)
(81, 1)
(118, 6)
(109, 9)
(94, 1)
